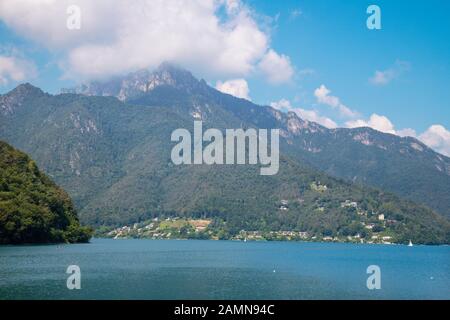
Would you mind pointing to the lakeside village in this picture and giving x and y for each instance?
(180, 228)
(374, 228)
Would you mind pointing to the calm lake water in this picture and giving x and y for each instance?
(162, 269)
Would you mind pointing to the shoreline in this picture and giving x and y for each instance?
(279, 241)
(60, 244)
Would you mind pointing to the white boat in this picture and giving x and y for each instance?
(410, 244)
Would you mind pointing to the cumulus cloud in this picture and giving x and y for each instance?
(310, 115)
(236, 87)
(436, 136)
(407, 132)
(323, 96)
(277, 68)
(233, 5)
(313, 115)
(282, 105)
(381, 78)
(377, 122)
(14, 69)
(216, 37)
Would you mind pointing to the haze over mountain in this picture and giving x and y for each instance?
(109, 146)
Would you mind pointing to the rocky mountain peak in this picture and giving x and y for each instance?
(25, 89)
(138, 83)
(15, 98)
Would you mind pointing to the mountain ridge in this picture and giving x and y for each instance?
(168, 74)
(137, 83)
(114, 159)
(403, 165)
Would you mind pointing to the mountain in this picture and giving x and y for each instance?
(32, 208)
(402, 165)
(139, 83)
(113, 157)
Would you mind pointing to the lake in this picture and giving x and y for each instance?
(171, 269)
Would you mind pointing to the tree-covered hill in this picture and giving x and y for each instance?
(401, 165)
(33, 209)
(113, 158)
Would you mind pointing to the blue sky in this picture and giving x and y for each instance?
(316, 58)
(331, 38)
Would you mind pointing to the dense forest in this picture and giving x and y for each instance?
(33, 209)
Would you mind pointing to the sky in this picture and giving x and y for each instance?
(316, 58)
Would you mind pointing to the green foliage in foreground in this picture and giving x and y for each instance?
(32, 208)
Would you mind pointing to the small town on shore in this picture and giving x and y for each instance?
(204, 229)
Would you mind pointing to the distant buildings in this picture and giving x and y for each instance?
(349, 204)
(316, 186)
(284, 205)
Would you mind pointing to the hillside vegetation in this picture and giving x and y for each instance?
(32, 208)
(113, 157)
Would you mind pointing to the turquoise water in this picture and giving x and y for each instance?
(162, 269)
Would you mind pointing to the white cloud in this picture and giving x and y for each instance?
(277, 68)
(282, 105)
(310, 115)
(377, 122)
(381, 78)
(233, 6)
(323, 96)
(122, 36)
(236, 87)
(437, 137)
(407, 132)
(15, 69)
(313, 115)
